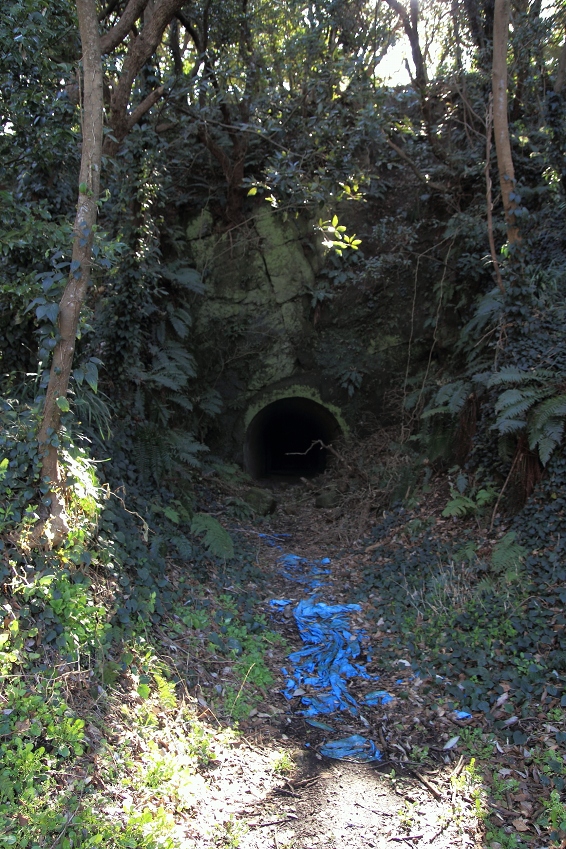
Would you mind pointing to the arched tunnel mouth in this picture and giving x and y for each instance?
(287, 438)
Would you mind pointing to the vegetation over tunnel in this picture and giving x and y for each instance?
(288, 437)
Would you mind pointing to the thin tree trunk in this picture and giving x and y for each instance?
(500, 118)
(56, 527)
(489, 201)
(561, 72)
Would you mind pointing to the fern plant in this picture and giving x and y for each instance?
(216, 538)
(160, 452)
(461, 505)
(534, 404)
(507, 555)
(449, 399)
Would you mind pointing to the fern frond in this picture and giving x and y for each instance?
(459, 506)
(210, 402)
(180, 320)
(511, 374)
(159, 451)
(216, 538)
(449, 399)
(506, 426)
(181, 401)
(507, 554)
(516, 402)
(185, 447)
(551, 408)
(546, 426)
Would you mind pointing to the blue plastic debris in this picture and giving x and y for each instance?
(355, 748)
(280, 602)
(303, 571)
(462, 714)
(378, 697)
(327, 661)
(273, 539)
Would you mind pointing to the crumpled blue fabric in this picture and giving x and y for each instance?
(280, 602)
(355, 748)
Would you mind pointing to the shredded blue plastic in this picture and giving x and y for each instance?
(303, 571)
(462, 714)
(355, 748)
(327, 662)
(280, 602)
(378, 697)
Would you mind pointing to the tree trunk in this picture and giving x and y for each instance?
(500, 119)
(56, 527)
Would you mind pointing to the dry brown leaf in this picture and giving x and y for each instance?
(520, 824)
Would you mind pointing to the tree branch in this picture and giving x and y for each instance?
(439, 187)
(145, 106)
(140, 50)
(192, 30)
(118, 33)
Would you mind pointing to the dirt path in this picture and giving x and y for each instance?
(325, 802)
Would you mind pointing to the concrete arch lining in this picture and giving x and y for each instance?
(280, 436)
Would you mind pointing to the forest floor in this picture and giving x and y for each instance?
(442, 780)
(192, 736)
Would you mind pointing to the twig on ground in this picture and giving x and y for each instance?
(457, 769)
(265, 824)
(424, 780)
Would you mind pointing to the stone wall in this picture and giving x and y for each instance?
(258, 335)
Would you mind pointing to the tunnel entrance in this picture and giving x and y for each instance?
(280, 436)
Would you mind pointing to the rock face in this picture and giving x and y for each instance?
(272, 319)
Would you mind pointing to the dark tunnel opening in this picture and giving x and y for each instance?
(279, 439)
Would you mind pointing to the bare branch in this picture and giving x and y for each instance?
(145, 106)
(439, 187)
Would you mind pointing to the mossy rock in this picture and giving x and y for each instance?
(327, 499)
(261, 501)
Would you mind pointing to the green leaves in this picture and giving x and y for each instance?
(507, 554)
(336, 236)
(88, 373)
